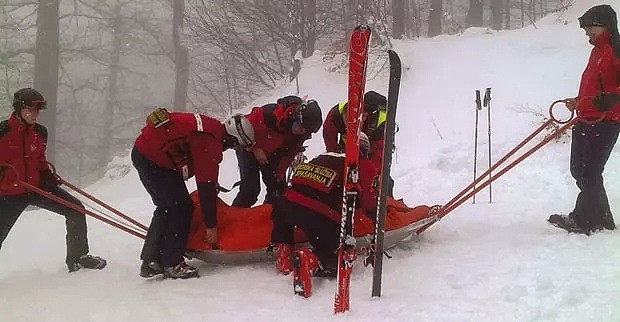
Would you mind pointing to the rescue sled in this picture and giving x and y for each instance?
(244, 234)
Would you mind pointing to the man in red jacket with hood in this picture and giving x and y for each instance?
(281, 130)
(596, 132)
(23, 142)
(172, 148)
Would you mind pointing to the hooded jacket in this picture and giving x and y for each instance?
(602, 74)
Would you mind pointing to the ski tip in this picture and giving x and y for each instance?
(393, 54)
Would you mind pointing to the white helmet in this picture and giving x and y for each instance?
(239, 127)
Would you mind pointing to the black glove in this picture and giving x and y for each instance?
(49, 179)
(606, 100)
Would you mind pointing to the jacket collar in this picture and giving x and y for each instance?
(602, 39)
(16, 123)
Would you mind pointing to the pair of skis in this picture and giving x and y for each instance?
(358, 57)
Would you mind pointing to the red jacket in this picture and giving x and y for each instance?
(191, 144)
(601, 75)
(334, 130)
(318, 185)
(23, 146)
(272, 128)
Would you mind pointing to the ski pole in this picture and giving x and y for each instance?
(478, 108)
(487, 104)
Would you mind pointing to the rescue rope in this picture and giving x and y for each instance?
(478, 184)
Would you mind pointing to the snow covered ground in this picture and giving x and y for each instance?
(484, 262)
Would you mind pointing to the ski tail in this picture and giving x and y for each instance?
(376, 247)
(358, 56)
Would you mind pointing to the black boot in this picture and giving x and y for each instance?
(87, 261)
(181, 270)
(150, 269)
(608, 221)
(567, 223)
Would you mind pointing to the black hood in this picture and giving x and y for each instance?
(603, 16)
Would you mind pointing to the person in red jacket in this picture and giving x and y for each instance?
(23, 143)
(374, 117)
(313, 203)
(596, 132)
(172, 148)
(281, 130)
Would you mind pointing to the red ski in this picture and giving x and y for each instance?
(358, 55)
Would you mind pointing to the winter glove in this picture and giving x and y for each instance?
(49, 179)
(605, 101)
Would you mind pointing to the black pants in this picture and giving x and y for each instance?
(322, 232)
(249, 172)
(167, 235)
(11, 207)
(590, 149)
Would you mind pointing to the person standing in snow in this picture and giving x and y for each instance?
(281, 130)
(596, 132)
(374, 117)
(172, 148)
(313, 203)
(23, 144)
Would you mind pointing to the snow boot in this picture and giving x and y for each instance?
(608, 221)
(181, 270)
(305, 265)
(283, 258)
(87, 261)
(150, 269)
(567, 223)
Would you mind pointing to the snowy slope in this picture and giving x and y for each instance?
(484, 262)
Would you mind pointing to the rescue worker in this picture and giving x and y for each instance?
(281, 130)
(23, 144)
(313, 203)
(172, 148)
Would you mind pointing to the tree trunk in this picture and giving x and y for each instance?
(398, 18)
(507, 14)
(496, 14)
(434, 18)
(181, 56)
(474, 14)
(111, 99)
(309, 23)
(522, 13)
(46, 65)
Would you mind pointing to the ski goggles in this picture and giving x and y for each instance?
(39, 105)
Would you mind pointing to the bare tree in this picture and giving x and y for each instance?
(474, 14)
(434, 18)
(496, 14)
(46, 65)
(181, 55)
(398, 18)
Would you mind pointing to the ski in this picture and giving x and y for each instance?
(358, 55)
(376, 246)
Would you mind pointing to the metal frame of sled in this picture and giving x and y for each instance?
(227, 257)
